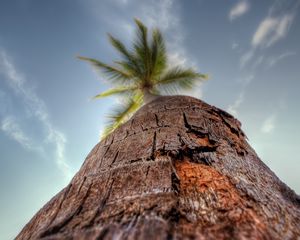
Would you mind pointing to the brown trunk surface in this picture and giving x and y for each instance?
(179, 169)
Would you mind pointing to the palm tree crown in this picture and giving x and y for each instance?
(141, 74)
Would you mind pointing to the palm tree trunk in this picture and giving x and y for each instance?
(179, 169)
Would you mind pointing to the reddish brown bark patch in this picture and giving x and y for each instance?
(214, 201)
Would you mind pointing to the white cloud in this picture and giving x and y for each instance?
(275, 59)
(4, 102)
(13, 130)
(122, 1)
(274, 27)
(269, 124)
(238, 10)
(59, 140)
(150, 12)
(247, 80)
(37, 109)
(233, 108)
(17, 82)
(264, 29)
(175, 58)
(246, 57)
(271, 30)
(259, 60)
(234, 45)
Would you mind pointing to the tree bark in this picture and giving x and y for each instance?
(178, 169)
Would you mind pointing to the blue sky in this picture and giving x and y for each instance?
(48, 124)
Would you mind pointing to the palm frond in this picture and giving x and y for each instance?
(118, 45)
(112, 72)
(117, 90)
(130, 68)
(158, 54)
(142, 48)
(183, 77)
(122, 113)
(178, 78)
(129, 57)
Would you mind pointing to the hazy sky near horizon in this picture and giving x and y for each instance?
(48, 124)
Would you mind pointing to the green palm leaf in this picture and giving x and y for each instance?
(142, 48)
(122, 113)
(116, 90)
(185, 78)
(130, 61)
(158, 54)
(112, 72)
(178, 78)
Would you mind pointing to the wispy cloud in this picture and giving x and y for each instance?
(4, 102)
(246, 57)
(37, 109)
(164, 9)
(238, 10)
(234, 107)
(271, 30)
(122, 1)
(273, 60)
(234, 45)
(13, 130)
(258, 61)
(18, 83)
(269, 124)
(59, 141)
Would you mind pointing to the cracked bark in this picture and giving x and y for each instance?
(179, 169)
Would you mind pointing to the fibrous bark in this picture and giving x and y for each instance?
(179, 169)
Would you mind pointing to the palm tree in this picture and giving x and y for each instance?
(142, 74)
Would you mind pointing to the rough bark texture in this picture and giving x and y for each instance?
(179, 169)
